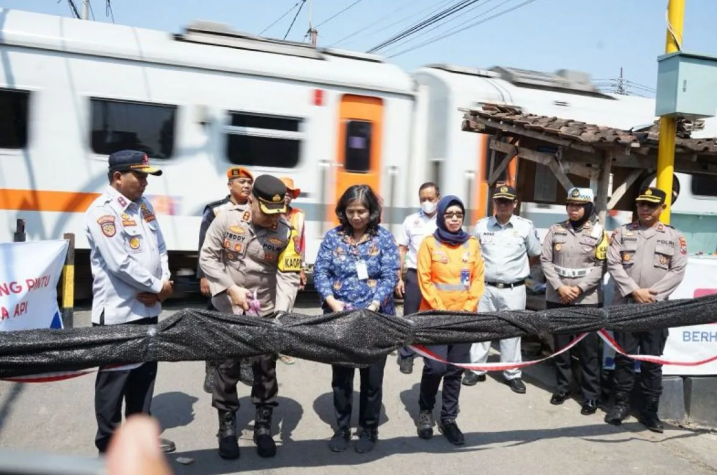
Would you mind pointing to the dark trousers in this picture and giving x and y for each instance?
(263, 391)
(589, 355)
(649, 343)
(433, 371)
(135, 387)
(370, 398)
(411, 304)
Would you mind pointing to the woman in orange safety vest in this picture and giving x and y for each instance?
(450, 275)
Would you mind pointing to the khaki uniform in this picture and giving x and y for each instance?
(576, 259)
(644, 258)
(236, 253)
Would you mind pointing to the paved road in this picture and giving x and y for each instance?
(505, 432)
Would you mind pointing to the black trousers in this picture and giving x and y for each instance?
(263, 391)
(370, 398)
(648, 343)
(589, 355)
(411, 303)
(135, 387)
(434, 371)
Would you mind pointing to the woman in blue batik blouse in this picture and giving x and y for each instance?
(357, 267)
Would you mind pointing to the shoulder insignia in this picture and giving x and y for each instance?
(122, 201)
(246, 216)
(275, 226)
(107, 225)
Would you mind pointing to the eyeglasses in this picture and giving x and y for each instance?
(455, 214)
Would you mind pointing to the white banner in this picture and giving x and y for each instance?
(692, 343)
(29, 273)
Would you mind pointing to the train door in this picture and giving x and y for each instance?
(358, 155)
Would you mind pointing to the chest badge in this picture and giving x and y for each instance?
(627, 256)
(134, 243)
(558, 247)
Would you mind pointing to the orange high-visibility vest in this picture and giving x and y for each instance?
(297, 219)
(450, 277)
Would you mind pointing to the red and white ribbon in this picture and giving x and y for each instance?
(648, 358)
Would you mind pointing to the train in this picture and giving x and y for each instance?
(200, 101)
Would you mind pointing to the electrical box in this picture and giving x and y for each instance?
(686, 85)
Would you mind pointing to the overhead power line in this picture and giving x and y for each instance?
(295, 16)
(339, 13)
(452, 10)
(280, 18)
(455, 32)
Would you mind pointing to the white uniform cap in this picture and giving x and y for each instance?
(580, 195)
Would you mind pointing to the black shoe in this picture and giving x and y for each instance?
(405, 364)
(228, 446)
(246, 373)
(367, 439)
(470, 378)
(340, 440)
(590, 406)
(425, 425)
(620, 410)
(265, 445)
(167, 446)
(559, 398)
(516, 384)
(648, 416)
(450, 430)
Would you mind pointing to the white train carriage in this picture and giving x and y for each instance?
(72, 91)
(460, 161)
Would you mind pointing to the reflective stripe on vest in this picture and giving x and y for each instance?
(450, 287)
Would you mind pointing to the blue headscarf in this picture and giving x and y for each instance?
(442, 233)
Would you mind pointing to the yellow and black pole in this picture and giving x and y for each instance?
(668, 125)
(68, 283)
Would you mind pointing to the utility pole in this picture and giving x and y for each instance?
(668, 125)
(313, 33)
(85, 9)
(620, 89)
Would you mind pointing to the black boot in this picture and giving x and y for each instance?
(620, 410)
(265, 445)
(648, 416)
(228, 446)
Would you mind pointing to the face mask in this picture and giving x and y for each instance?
(428, 207)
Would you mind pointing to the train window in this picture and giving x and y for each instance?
(119, 125)
(263, 140)
(704, 185)
(14, 121)
(358, 146)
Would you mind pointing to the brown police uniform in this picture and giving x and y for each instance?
(236, 252)
(641, 257)
(574, 256)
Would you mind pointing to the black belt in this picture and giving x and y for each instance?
(502, 285)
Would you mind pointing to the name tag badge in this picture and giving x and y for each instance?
(465, 277)
(361, 270)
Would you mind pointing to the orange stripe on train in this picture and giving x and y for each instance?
(44, 200)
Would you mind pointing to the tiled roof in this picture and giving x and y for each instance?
(491, 116)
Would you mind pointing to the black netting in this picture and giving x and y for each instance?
(355, 338)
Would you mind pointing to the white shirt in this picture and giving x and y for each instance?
(127, 254)
(506, 248)
(415, 227)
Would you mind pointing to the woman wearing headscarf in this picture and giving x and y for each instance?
(357, 267)
(450, 275)
(574, 264)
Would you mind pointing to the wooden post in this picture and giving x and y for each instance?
(603, 187)
(68, 283)
(20, 231)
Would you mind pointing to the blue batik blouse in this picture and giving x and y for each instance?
(335, 272)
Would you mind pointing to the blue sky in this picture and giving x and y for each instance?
(594, 36)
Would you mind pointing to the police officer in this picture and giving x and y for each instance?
(506, 242)
(239, 183)
(415, 227)
(130, 273)
(240, 259)
(647, 260)
(573, 262)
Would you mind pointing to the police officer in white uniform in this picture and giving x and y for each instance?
(506, 242)
(130, 269)
(415, 227)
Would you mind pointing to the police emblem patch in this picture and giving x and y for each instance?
(246, 216)
(626, 257)
(683, 246)
(504, 189)
(663, 260)
(134, 243)
(107, 225)
(648, 192)
(575, 193)
(276, 198)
